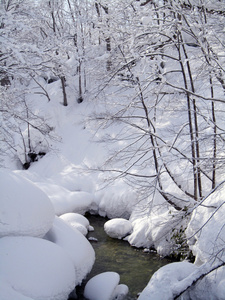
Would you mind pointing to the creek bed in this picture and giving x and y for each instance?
(133, 265)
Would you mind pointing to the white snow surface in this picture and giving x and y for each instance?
(105, 286)
(118, 228)
(75, 245)
(25, 209)
(162, 283)
(35, 268)
(116, 201)
(77, 221)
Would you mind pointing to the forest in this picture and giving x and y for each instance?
(116, 108)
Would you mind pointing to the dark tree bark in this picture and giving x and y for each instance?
(63, 81)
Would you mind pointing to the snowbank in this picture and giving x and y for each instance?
(25, 209)
(118, 228)
(206, 231)
(105, 286)
(155, 225)
(35, 268)
(75, 245)
(163, 282)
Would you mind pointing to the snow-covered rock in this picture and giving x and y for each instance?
(25, 209)
(76, 246)
(35, 268)
(120, 292)
(76, 221)
(163, 283)
(105, 286)
(118, 228)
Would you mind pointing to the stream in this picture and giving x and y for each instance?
(134, 266)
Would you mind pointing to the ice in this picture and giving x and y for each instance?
(76, 246)
(35, 268)
(25, 209)
(105, 286)
(118, 228)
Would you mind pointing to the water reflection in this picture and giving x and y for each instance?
(133, 265)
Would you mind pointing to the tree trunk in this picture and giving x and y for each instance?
(63, 80)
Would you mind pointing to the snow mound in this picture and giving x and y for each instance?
(118, 228)
(35, 268)
(76, 246)
(105, 287)
(163, 282)
(120, 292)
(77, 221)
(65, 201)
(25, 209)
(7, 292)
(116, 201)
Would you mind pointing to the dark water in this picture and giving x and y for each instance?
(133, 265)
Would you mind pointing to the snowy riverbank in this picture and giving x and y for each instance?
(62, 182)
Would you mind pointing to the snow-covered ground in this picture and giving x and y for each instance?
(42, 234)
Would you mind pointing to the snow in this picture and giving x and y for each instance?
(116, 201)
(208, 242)
(7, 292)
(152, 225)
(35, 268)
(161, 284)
(25, 209)
(65, 201)
(105, 286)
(118, 228)
(120, 292)
(75, 245)
(64, 183)
(77, 221)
